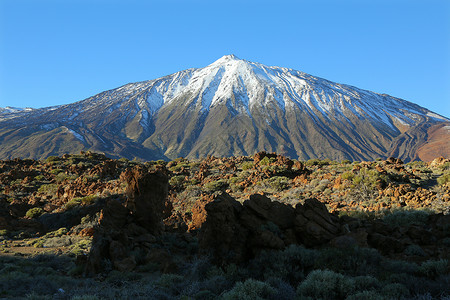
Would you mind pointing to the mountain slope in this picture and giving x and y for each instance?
(231, 107)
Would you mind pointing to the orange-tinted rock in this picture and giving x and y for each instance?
(89, 231)
(199, 212)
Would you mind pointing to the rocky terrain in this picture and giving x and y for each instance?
(86, 226)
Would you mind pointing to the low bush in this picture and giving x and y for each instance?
(415, 250)
(267, 161)
(49, 189)
(326, 284)
(88, 200)
(177, 181)
(34, 212)
(249, 290)
(56, 171)
(279, 183)
(434, 268)
(246, 165)
(39, 178)
(444, 178)
(73, 203)
(53, 158)
(394, 291)
(348, 175)
(60, 177)
(214, 186)
(406, 218)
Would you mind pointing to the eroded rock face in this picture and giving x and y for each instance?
(128, 228)
(222, 233)
(199, 212)
(278, 213)
(146, 197)
(314, 225)
(234, 232)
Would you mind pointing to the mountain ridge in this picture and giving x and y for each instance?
(230, 107)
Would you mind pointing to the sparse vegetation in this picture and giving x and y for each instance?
(34, 212)
(66, 196)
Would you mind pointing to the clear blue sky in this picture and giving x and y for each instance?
(61, 51)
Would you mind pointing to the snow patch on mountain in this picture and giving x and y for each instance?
(74, 133)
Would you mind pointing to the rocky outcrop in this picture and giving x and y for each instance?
(234, 232)
(222, 234)
(314, 224)
(146, 197)
(127, 230)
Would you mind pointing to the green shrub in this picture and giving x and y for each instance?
(434, 268)
(246, 165)
(357, 179)
(39, 243)
(49, 189)
(266, 161)
(56, 171)
(88, 200)
(34, 212)
(179, 166)
(400, 267)
(82, 247)
(352, 261)
(250, 289)
(39, 178)
(73, 203)
(366, 283)
(326, 284)
(414, 250)
(177, 181)
(348, 175)
(279, 183)
(406, 218)
(444, 178)
(60, 177)
(290, 265)
(216, 185)
(395, 291)
(366, 295)
(170, 282)
(53, 158)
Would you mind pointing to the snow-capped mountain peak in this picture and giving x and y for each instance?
(234, 107)
(226, 59)
(256, 84)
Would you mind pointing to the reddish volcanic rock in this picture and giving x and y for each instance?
(199, 212)
(130, 226)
